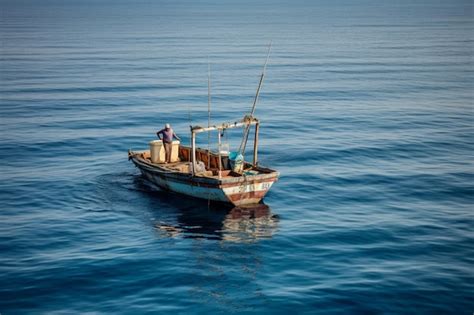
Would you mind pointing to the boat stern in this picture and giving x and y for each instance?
(250, 191)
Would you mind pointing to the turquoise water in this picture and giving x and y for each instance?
(366, 110)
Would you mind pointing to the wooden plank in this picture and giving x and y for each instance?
(219, 153)
(193, 151)
(255, 145)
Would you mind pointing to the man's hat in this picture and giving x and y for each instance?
(167, 126)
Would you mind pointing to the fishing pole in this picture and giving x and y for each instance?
(245, 137)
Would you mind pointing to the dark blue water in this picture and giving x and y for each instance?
(367, 111)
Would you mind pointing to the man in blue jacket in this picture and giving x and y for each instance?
(166, 135)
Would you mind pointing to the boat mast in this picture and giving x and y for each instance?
(193, 134)
(209, 113)
(245, 137)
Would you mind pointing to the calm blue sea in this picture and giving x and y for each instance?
(367, 111)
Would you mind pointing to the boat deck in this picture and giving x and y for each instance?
(185, 166)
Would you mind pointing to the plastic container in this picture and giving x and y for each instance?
(158, 154)
(175, 151)
(225, 160)
(236, 161)
(157, 151)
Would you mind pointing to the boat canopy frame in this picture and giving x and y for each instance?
(247, 121)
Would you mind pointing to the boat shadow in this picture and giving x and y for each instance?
(200, 219)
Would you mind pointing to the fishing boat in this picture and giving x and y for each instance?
(205, 174)
(221, 176)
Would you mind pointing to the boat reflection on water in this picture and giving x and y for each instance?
(186, 217)
(240, 224)
(249, 223)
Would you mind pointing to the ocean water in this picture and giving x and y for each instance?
(367, 111)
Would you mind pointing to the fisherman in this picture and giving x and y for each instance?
(167, 139)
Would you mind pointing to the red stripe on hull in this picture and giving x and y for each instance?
(250, 182)
(247, 195)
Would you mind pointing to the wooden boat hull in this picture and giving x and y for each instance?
(243, 190)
